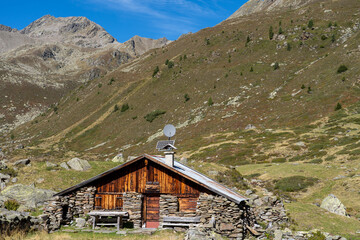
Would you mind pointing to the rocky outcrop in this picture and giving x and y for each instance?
(74, 30)
(78, 164)
(139, 45)
(5, 28)
(332, 204)
(13, 221)
(255, 6)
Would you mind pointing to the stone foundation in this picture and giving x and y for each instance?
(132, 203)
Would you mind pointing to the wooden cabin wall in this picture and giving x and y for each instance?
(133, 178)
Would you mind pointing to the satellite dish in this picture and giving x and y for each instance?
(169, 130)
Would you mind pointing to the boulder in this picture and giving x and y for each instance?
(50, 164)
(332, 204)
(78, 164)
(4, 177)
(118, 158)
(249, 127)
(22, 162)
(278, 234)
(300, 144)
(80, 222)
(65, 166)
(28, 196)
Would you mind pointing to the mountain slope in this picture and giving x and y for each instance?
(256, 6)
(52, 56)
(289, 80)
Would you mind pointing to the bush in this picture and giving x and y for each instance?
(156, 70)
(187, 98)
(116, 108)
(342, 69)
(150, 117)
(280, 30)
(279, 160)
(271, 33)
(333, 39)
(315, 161)
(11, 205)
(210, 102)
(311, 24)
(338, 107)
(324, 37)
(167, 62)
(170, 64)
(295, 183)
(124, 107)
(288, 47)
(276, 66)
(111, 81)
(251, 69)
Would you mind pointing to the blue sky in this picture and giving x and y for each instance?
(126, 18)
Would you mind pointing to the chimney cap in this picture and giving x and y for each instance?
(169, 147)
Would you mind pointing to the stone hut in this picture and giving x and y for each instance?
(151, 189)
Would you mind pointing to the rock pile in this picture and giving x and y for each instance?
(12, 221)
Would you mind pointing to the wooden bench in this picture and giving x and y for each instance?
(98, 215)
(180, 221)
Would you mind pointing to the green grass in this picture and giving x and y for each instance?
(295, 183)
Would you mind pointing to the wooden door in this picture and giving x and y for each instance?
(152, 211)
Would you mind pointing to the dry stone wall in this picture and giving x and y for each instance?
(63, 209)
(223, 216)
(132, 203)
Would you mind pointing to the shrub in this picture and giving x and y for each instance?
(295, 183)
(309, 90)
(333, 39)
(210, 102)
(251, 69)
(279, 160)
(170, 64)
(12, 136)
(111, 81)
(271, 33)
(303, 86)
(248, 39)
(276, 66)
(116, 108)
(280, 30)
(338, 106)
(185, 57)
(316, 161)
(99, 85)
(330, 24)
(156, 70)
(150, 117)
(124, 107)
(288, 47)
(55, 108)
(11, 205)
(342, 69)
(311, 24)
(324, 37)
(134, 117)
(167, 62)
(187, 98)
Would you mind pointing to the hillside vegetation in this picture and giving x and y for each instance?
(292, 74)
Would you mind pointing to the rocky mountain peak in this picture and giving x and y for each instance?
(255, 6)
(139, 45)
(5, 28)
(74, 30)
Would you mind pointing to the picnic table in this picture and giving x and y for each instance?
(98, 215)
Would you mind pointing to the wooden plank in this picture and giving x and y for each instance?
(182, 219)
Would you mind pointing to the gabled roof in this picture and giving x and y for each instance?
(179, 168)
